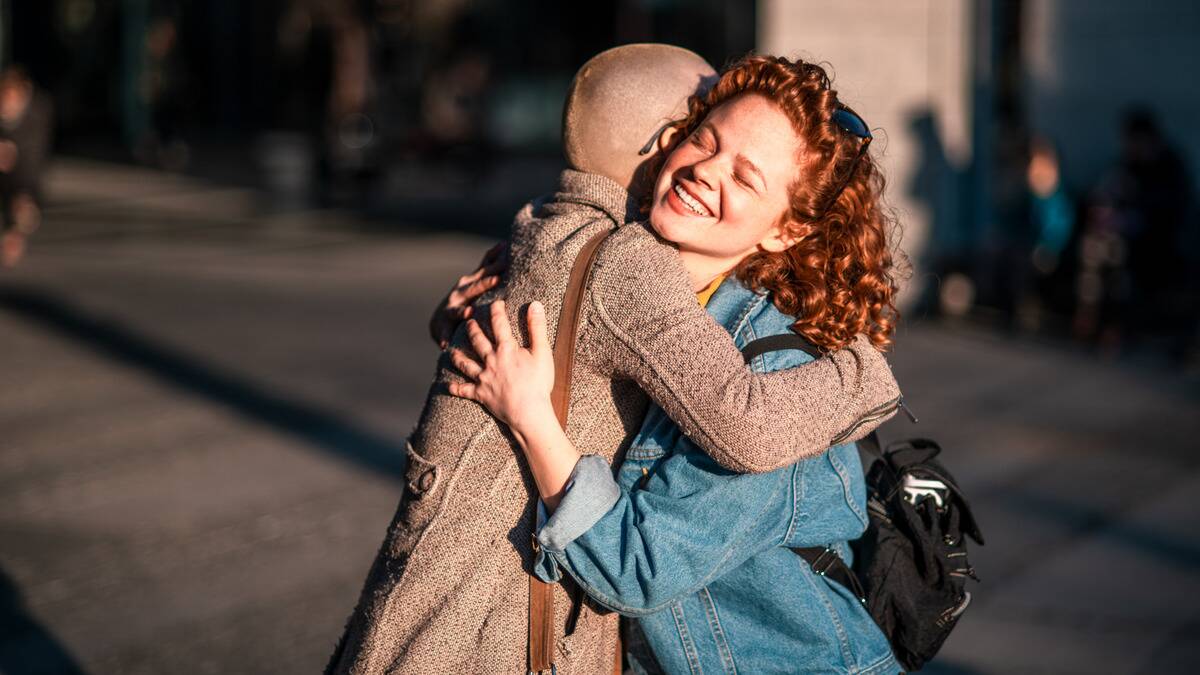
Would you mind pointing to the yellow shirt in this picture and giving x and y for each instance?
(704, 295)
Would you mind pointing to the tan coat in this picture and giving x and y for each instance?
(448, 592)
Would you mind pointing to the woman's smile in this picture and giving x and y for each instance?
(685, 203)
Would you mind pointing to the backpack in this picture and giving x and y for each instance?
(910, 566)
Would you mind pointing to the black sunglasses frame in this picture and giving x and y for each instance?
(649, 146)
(852, 123)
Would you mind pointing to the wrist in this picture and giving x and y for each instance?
(534, 419)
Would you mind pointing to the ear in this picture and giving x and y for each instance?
(669, 138)
(783, 236)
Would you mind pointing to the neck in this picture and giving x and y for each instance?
(703, 269)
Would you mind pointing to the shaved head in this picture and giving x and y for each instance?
(621, 98)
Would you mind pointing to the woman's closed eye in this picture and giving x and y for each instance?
(701, 138)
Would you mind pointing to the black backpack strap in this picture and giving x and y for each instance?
(826, 562)
(775, 343)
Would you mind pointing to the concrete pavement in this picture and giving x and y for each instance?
(205, 401)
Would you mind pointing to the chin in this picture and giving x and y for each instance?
(664, 227)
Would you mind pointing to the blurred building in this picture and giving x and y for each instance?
(357, 101)
(958, 89)
(240, 67)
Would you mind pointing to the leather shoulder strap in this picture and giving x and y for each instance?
(568, 326)
(541, 594)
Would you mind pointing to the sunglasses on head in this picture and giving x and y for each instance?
(649, 146)
(852, 123)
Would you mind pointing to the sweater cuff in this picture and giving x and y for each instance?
(592, 493)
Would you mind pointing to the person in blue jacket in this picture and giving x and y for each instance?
(702, 556)
(699, 554)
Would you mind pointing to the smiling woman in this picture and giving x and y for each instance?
(769, 184)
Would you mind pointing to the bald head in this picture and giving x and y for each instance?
(620, 98)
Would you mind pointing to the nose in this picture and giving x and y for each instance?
(705, 171)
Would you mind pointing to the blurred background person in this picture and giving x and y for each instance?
(164, 90)
(1136, 275)
(1052, 216)
(26, 124)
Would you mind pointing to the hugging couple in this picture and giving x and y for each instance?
(684, 475)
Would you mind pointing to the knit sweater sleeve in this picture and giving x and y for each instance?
(644, 323)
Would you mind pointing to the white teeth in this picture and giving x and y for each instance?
(691, 202)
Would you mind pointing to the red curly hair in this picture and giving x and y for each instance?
(838, 278)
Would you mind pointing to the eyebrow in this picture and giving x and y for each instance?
(741, 160)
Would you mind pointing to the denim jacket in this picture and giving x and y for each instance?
(701, 554)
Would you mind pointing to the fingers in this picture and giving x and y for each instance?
(465, 364)
(444, 323)
(463, 281)
(500, 326)
(479, 287)
(463, 390)
(470, 287)
(455, 315)
(539, 340)
(479, 342)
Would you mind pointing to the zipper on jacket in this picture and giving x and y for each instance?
(871, 415)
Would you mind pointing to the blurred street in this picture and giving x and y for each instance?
(204, 412)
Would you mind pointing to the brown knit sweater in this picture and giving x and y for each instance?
(448, 591)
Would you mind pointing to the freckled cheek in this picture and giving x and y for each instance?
(736, 212)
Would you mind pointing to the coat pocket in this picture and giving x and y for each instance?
(422, 481)
(421, 475)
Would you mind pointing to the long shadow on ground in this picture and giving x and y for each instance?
(316, 427)
(26, 647)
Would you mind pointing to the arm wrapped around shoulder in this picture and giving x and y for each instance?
(647, 325)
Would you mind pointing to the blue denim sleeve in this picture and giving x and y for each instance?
(692, 522)
(590, 493)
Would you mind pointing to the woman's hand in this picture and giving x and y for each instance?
(456, 306)
(512, 382)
